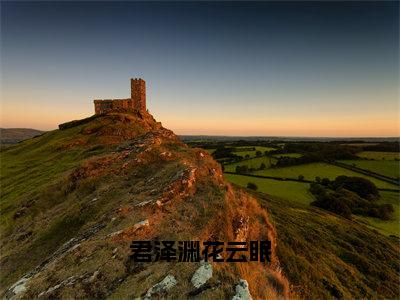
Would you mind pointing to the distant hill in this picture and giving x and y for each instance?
(15, 135)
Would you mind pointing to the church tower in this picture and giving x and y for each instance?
(138, 94)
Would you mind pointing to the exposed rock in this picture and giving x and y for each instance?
(69, 281)
(161, 288)
(115, 233)
(202, 274)
(17, 288)
(94, 276)
(242, 291)
(135, 227)
(141, 224)
(144, 203)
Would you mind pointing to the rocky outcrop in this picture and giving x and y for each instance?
(134, 180)
(161, 288)
(202, 274)
(242, 291)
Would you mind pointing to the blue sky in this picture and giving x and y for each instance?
(230, 68)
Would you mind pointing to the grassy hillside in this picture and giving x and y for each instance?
(391, 227)
(325, 256)
(74, 199)
(299, 192)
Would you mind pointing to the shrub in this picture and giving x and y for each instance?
(333, 204)
(301, 177)
(252, 186)
(361, 186)
(242, 169)
(317, 189)
(344, 202)
(325, 181)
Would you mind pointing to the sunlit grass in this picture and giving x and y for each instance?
(389, 168)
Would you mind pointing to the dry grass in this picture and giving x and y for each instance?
(195, 203)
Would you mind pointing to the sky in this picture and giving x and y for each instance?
(214, 68)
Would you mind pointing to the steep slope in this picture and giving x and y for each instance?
(325, 255)
(74, 199)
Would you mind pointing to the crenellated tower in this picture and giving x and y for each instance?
(138, 94)
(137, 102)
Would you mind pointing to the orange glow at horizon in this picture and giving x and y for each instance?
(47, 118)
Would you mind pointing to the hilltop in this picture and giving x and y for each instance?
(74, 199)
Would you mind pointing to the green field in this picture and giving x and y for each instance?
(386, 227)
(244, 152)
(379, 155)
(290, 190)
(310, 171)
(389, 168)
(298, 192)
(360, 144)
(251, 163)
(295, 155)
(210, 150)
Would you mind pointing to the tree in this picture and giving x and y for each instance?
(247, 156)
(258, 153)
(222, 152)
(345, 202)
(334, 204)
(252, 186)
(325, 181)
(301, 177)
(318, 179)
(242, 169)
(361, 186)
(262, 166)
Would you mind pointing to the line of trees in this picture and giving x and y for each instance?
(245, 169)
(313, 152)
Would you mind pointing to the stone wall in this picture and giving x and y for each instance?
(137, 102)
(103, 106)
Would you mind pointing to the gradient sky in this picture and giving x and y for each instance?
(221, 68)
